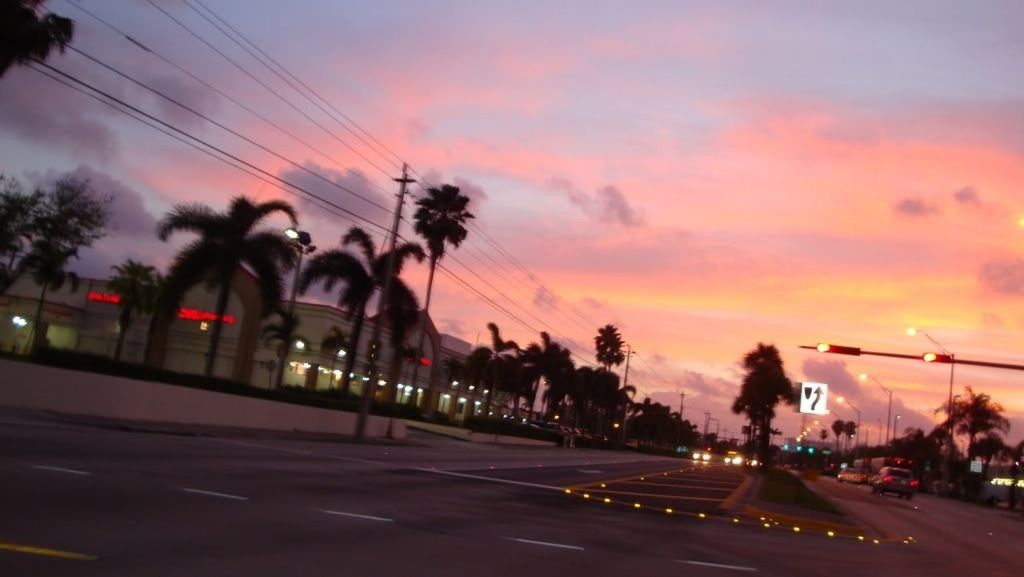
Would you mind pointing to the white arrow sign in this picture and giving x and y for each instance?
(814, 398)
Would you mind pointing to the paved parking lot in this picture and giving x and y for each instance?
(690, 488)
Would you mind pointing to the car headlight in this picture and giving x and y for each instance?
(705, 457)
(696, 456)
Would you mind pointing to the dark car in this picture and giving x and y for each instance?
(895, 480)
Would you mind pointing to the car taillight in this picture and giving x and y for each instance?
(913, 483)
(887, 479)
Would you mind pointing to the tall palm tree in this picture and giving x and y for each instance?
(975, 414)
(362, 275)
(608, 344)
(764, 386)
(227, 241)
(440, 220)
(838, 426)
(849, 432)
(139, 286)
(25, 36)
(46, 263)
(281, 332)
(333, 344)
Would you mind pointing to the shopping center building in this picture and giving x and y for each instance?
(86, 320)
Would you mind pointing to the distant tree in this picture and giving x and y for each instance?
(493, 367)
(47, 264)
(823, 435)
(66, 216)
(26, 35)
(227, 241)
(987, 448)
(838, 426)
(764, 386)
(608, 343)
(546, 361)
(849, 432)
(139, 287)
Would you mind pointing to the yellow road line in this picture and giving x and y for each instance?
(46, 552)
(698, 480)
(676, 497)
(629, 478)
(673, 485)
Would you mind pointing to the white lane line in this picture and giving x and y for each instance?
(590, 471)
(546, 544)
(357, 516)
(61, 470)
(301, 452)
(483, 478)
(214, 494)
(719, 566)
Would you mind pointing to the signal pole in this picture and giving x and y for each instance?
(371, 365)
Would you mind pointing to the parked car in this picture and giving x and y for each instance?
(895, 480)
(851, 475)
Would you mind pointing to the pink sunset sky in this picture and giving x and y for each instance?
(704, 177)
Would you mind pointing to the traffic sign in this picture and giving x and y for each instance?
(814, 398)
(976, 466)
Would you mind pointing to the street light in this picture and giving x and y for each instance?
(947, 356)
(843, 401)
(303, 245)
(888, 416)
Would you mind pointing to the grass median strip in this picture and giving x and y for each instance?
(779, 486)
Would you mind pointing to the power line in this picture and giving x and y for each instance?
(284, 69)
(227, 129)
(151, 51)
(263, 84)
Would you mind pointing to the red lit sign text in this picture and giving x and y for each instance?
(98, 297)
(188, 314)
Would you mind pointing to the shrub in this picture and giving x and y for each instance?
(491, 426)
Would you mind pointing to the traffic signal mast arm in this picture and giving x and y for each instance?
(927, 357)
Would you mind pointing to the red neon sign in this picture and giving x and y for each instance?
(100, 297)
(187, 314)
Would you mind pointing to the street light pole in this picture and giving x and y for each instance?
(888, 416)
(302, 241)
(947, 469)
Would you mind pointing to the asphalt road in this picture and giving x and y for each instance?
(84, 501)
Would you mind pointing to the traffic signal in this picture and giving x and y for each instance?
(837, 349)
(936, 358)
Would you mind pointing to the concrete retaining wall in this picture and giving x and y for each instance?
(467, 435)
(30, 386)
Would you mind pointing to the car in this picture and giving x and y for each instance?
(895, 480)
(851, 475)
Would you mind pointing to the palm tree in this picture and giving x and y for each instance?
(139, 287)
(546, 361)
(281, 332)
(989, 447)
(764, 386)
(333, 344)
(440, 220)
(26, 36)
(227, 241)
(493, 366)
(823, 435)
(849, 432)
(46, 263)
(838, 426)
(362, 276)
(608, 344)
(975, 414)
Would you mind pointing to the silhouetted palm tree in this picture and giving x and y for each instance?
(849, 432)
(25, 36)
(362, 276)
(608, 344)
(282, 331)
(46, 263)
(440, 220)
(493, 366)
(227, 241)
(764, 386)
(139, 286)
(975, 414)
(333, 343)
(838, 426)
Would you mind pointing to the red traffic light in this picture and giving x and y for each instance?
(936, 358)
(837, 349)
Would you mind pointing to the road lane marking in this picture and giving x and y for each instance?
(214, 494)
(590, 471)
(483, 478)
(357, 516)
(28, 549)
(547, 544)
(718, 566)
(61, 470)
(650, 484)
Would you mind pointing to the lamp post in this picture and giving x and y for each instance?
(842, 400)
(888, 416)
(947, 468)
(302, 241)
